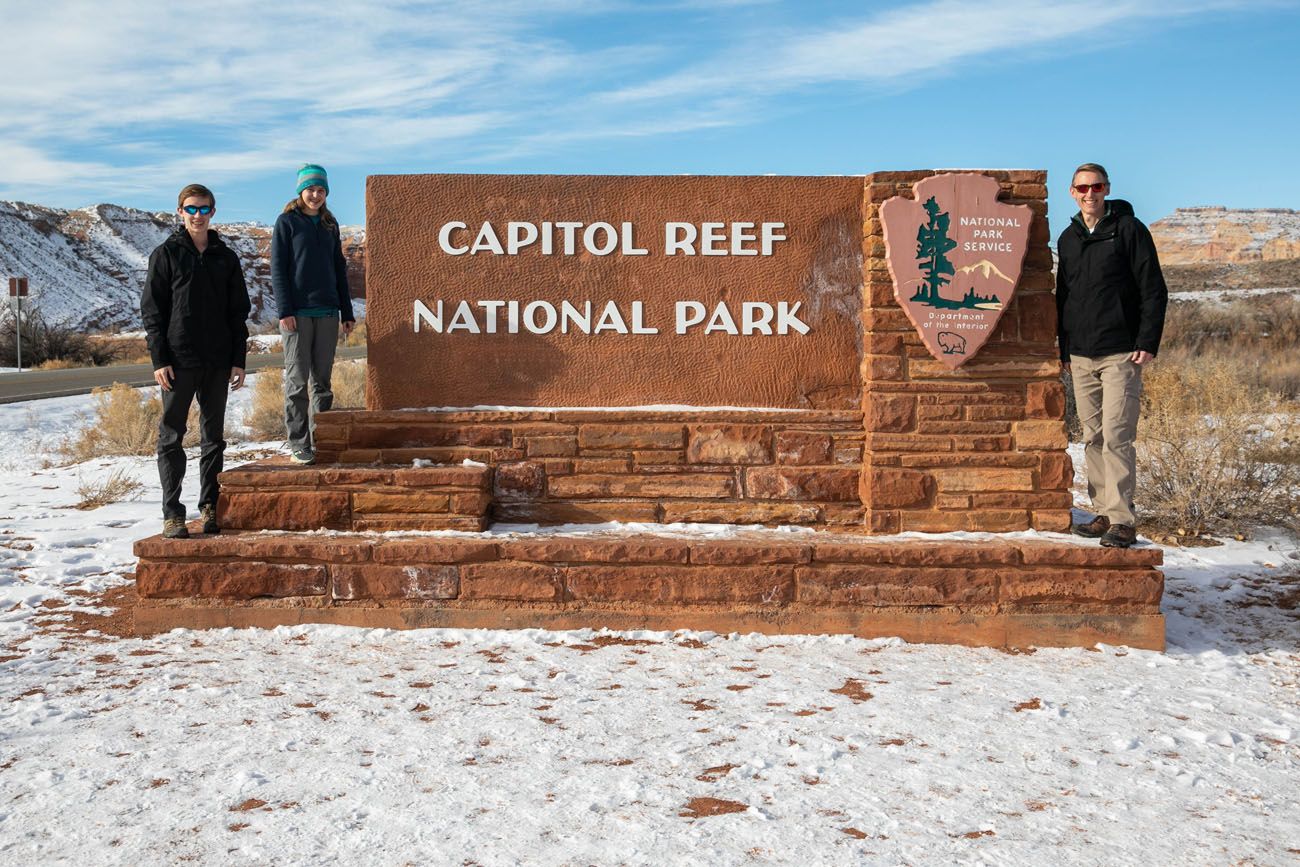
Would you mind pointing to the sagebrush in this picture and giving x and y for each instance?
(349, 384)
(265, 416)
(1214, 451)
(124, 421)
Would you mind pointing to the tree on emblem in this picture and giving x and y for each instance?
(932, 246)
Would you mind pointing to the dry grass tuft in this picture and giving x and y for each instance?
(57, 364)
(124, 422)
(358, 335)
(1215, 450)
(265, 416)
(118, 486)
(349, 384)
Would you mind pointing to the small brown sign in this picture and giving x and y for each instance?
(17, 287)
(955, 253)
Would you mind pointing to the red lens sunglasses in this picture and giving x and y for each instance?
(1083, 188)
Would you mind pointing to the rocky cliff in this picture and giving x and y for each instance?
(86, 266)
(1196, 235)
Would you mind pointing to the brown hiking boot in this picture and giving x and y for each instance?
(210, 525)
(1119, 536)
(1094, 528)
(174, 528)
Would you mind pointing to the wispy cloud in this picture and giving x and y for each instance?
(123, 95)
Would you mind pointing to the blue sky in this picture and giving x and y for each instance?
(1187, 102)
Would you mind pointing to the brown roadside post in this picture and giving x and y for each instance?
(17, 291)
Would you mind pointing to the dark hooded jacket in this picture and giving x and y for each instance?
(194, 306)
(307, 266)
(1110, 293)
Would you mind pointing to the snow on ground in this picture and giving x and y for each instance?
(1227, 296)
(327, 745)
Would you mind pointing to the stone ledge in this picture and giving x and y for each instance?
(931, 626)
(804, 582)
(823, 547)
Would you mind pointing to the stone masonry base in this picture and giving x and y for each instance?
(995, 591)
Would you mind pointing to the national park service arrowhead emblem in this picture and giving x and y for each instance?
(955, 253)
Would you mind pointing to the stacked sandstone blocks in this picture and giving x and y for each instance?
(278, 495)
(590, 466)
(981, 447)
(1000, 592)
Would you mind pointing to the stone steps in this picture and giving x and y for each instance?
(1018, 591)
(277, 494)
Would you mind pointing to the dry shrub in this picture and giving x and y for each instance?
(1214, 451)
(349, 384)
(1263, 321)
(123, 422)
(57, 364)
(118, 486)
(43, 342)
(265, 416)
(358, 335)
(1259, 334)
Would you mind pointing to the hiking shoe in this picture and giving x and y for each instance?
(1119, 536)
(210, 525)
(1094, 528)
(174, 528)
(302, 456)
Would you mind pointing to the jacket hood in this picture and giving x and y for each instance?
(182, 236)
(1115, 208)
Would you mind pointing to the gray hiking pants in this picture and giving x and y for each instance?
(308, 355)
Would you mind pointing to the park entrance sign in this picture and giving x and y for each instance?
(614, 291)
(742, 385)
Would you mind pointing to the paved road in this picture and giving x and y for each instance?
(38, 384)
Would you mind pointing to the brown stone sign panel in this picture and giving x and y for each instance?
(955, 253)
(585, 291)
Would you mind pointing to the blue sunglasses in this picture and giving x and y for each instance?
(198, 209)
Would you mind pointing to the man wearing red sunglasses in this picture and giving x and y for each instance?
(1110, 304)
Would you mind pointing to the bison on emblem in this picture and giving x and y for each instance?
(953, 344)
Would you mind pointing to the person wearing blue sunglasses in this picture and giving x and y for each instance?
(310, 277)
(194, 307)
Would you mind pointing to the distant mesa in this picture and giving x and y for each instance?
(1190, 236)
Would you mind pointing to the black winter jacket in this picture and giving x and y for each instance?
(1110, 293)
(194, 306)
(307, 266)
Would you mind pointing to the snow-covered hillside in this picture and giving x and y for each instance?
(86, 266)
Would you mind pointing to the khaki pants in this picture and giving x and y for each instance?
(1107, 392)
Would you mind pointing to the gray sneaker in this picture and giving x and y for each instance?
(210, 525)
(302, 456)
(174, 528)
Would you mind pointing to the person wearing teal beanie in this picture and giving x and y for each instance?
(312, 175)
(310, 279)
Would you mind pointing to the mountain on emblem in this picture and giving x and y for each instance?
(985, 267)
(955, 253)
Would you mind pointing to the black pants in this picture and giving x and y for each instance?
(210, 385)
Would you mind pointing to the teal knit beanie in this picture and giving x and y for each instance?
(312, 175)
